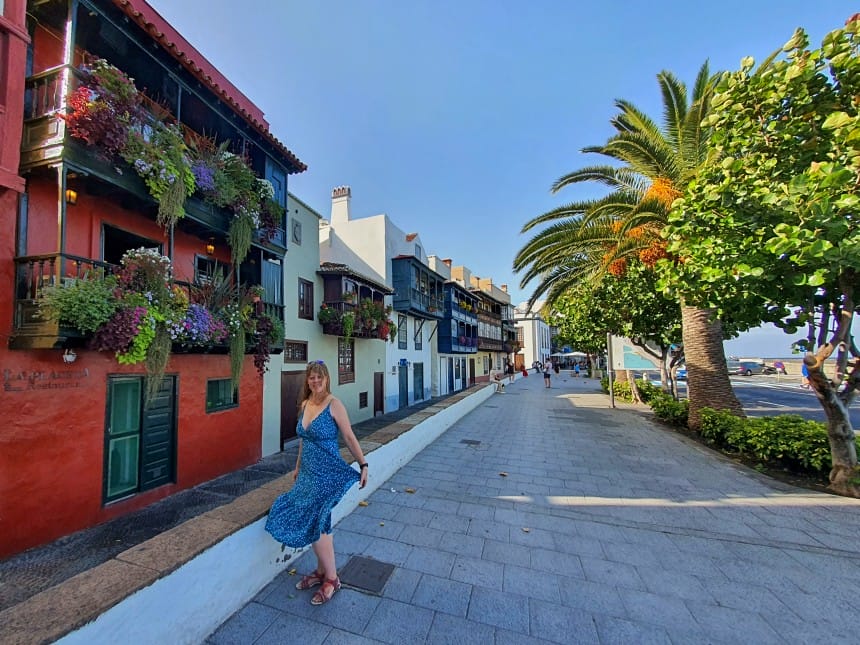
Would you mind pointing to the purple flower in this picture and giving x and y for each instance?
(204, 176)
(200, 327)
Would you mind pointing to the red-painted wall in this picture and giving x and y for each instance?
(52, 414)
(53, 436)
(13, 65)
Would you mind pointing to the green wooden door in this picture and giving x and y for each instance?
(140, 445)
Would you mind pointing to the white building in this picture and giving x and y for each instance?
(534, 333)
(376, 248)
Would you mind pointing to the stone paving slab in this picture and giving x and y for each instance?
(544, 516)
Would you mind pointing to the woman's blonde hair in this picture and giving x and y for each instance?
(314, 367)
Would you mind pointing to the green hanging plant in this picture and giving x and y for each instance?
(237, 357)
(157, 357)
(239, 237)
(348, 322)
(159, 155)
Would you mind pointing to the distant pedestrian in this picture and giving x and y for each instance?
(510, 372)
(804, 376)
(547, 370)
(302, 515)
(496, 377)
(576, 370)
(556, 368)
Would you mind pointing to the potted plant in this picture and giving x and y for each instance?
(327, 315)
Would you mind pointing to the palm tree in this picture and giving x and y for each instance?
(587, 239)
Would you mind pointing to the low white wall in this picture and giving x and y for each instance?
(190, 603)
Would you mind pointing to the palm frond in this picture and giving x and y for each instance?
(612, 176)
(632, 119)
(645, 155)
(704, 84)
(674, 107)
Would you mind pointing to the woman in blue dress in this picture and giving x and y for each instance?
(302, 516)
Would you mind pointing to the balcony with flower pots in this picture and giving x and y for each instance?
(136, 310)
(91, 128)
(458, 331)
(354, 305)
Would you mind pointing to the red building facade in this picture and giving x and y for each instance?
(83, 438)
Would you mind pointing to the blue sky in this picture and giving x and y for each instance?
(455, 117)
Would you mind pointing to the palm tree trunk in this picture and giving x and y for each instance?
(708, 382)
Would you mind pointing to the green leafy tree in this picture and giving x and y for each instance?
(588, 239)
(628, 305)
(772, 217)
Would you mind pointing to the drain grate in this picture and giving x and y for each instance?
(366, 574)
(470, 442)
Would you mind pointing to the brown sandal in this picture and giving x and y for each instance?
(324, 594)
(310, 580)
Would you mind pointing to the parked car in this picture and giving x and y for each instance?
(745, 368)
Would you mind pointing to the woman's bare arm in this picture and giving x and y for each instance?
(338, 413)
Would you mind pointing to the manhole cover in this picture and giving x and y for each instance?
(471, 442)
(366, 574)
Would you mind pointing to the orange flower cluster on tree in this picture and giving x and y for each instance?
(617, 267)
(636, 232)
(649, 256)
(663, 191)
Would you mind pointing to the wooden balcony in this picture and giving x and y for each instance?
(361, 328)
(36, 272)
(45, 143)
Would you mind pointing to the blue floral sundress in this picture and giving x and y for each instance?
(298, 517)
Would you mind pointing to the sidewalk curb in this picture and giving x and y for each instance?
(187, 604)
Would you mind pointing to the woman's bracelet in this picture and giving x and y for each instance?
(360, 466)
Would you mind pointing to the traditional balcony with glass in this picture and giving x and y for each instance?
(418, 290)
(489, 325)
(354, 306)
(458, 330)
(89, 58)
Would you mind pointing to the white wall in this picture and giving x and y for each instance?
(302, 261)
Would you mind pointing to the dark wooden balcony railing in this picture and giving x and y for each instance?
(361, 329)
(43, 92)
(43, 140)
(36, 272)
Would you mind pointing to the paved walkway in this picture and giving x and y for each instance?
(39, 569)
(544, 516)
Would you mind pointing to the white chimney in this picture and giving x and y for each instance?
(340, 197)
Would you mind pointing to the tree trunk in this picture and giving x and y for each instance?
(708, 384)
(840, 433)
(843, 450)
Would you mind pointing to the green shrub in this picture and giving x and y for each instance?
(796, 443)
(85, 304)
(717, 425)
(669, 410)
(622, 390)
(648, 391)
